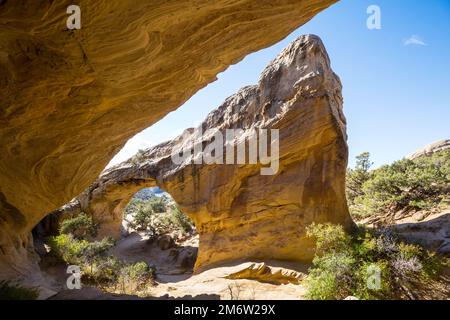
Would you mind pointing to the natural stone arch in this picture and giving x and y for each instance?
(238, 212)
(107, 203)
(71, 99)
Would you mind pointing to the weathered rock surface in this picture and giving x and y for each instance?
(240, 213)
(430, 149)
(267, 274)
(432, 232)
(71, 99)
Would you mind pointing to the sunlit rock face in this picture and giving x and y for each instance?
(71, 99)
(240, 212)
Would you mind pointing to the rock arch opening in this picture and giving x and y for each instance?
(156, 231)
(233, 206)
(154, 211)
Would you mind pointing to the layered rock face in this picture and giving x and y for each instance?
(241, 212)
(71, 99)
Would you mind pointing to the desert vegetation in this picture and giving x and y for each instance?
(408, 185)
(371, 264)
(80, 227)
(345, 263)
(75, 246)
(158, 215)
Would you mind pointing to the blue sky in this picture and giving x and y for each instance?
(396, 80)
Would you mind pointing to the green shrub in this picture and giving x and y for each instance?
(329, 238)
(362, 276)
(144, 211)
(77, 251)
(132, 206)
(97, 249)
(67, 248)
(158, 204)
(137, 270)
(12, 291)
(321, 285)
(102, 270)
(142, 219)
(180, 220)
(117, 276)
(331, 276)
(343, 265)
(135, 277)
(80, 226)
(97, 267)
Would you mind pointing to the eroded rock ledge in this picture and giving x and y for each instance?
(430, 149)
(238, 212)
(71, 99)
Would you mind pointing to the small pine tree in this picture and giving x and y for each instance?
(358, 176)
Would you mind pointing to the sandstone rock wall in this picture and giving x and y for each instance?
(69, 100)
(240, 213)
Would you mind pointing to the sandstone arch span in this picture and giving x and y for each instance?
(238, 212)
(71, 99)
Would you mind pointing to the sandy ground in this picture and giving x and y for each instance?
(138, 247)
(175, 282)
(209, 284)
(213, 283)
